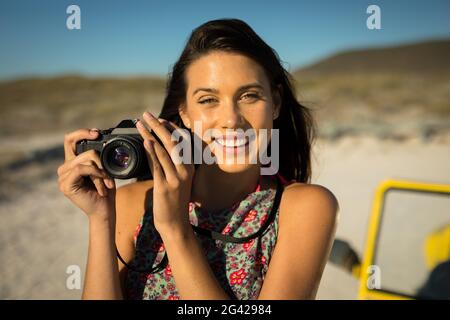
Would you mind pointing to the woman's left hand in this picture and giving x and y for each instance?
(172, 180)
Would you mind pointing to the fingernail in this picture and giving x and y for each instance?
(94, 131)
(109, 183)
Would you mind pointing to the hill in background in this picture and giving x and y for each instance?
(394, 92)
(428, 57)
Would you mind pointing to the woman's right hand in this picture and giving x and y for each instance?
(83, 180)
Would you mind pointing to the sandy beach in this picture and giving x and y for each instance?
(374, 100)
(352, 169)
(42, 233)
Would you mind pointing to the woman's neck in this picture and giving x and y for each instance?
(213, 189)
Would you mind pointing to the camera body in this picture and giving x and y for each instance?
(121, 149)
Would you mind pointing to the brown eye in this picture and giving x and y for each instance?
(206, 101)
(250, 96)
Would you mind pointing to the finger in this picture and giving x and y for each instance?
(160, 130)
(72, 138)
(170, 123)
(182, 168)
(99, 185)
(149, 158)
(166, 123)
(172, 127)
(75, 179)
(110, 183)
(157, 173)
(85, 158)
(145, 133)
(89, 156)
(93, 160)
(166, 163)
(142, 129)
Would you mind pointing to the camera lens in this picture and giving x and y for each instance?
(120, 157)
(123, 156)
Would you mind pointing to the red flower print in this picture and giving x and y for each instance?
(158, 246)
(238, 276)
(251, 215)
(249, 230)
(170, 287)
(247, 245)
(226, 230)
(260, 259)
(171, 297)
(233, 265)
(263, 259)
(168, 271)
(263, 219)
(164, 291)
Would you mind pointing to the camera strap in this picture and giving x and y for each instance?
(219, 236)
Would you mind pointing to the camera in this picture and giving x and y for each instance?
(121, 149)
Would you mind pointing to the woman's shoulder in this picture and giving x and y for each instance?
(304, 199)
(297, 188)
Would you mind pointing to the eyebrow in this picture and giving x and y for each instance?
(213, 90)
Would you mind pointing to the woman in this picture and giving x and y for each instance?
(255, 236)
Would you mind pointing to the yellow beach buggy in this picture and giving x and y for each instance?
(407, 251)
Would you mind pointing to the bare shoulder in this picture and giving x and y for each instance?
(131, 202)
(307, 224)
(308, 201)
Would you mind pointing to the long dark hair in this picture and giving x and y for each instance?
(295, 122)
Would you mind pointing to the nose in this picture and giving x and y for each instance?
(231, 116)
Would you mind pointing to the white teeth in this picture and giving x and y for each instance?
(232, 143)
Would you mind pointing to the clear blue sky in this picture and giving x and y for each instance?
(146, 37)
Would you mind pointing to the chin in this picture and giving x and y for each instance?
(234, 168)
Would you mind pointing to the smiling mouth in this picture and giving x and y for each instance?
(232, 143)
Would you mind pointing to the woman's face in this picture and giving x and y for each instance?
(227, 92)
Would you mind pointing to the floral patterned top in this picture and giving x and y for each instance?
(239, 267)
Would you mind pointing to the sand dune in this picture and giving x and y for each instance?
(393, 121)
(43, 233)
